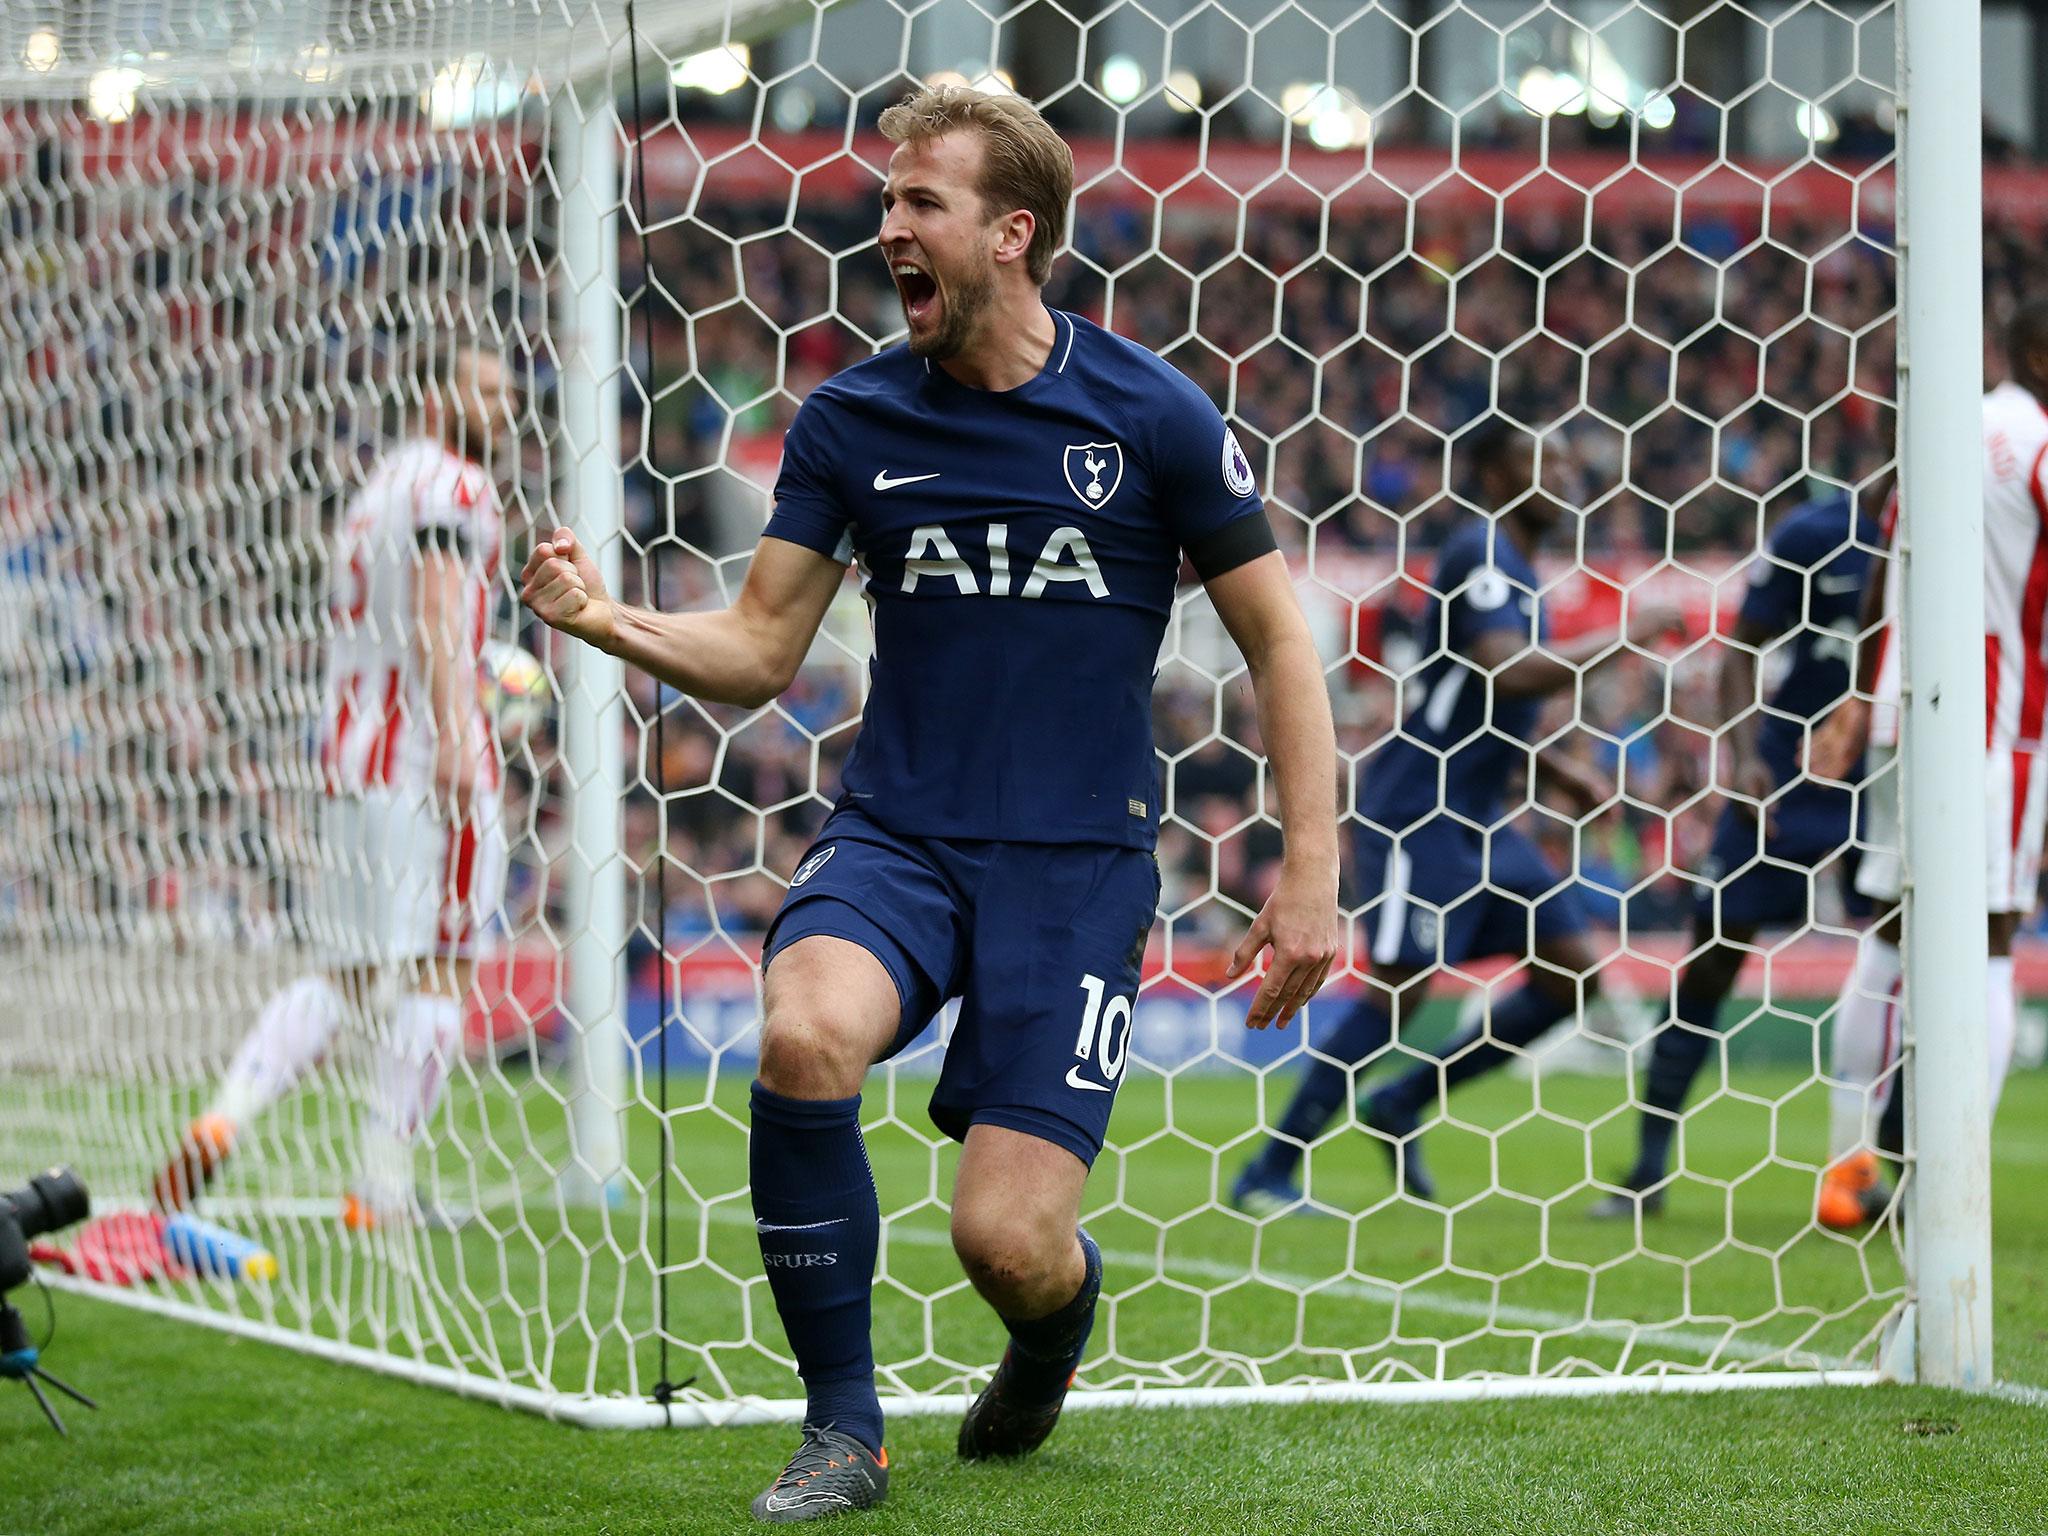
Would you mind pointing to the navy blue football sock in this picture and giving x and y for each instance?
(1046, 1351)
(1326, 1084)
(1516, 1021)
(819, 1223)
(1675, 1061)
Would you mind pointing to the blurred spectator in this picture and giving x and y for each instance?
(203, 370)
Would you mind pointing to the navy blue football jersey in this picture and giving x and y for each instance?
(1019, 551)
(1807, 593)
(1461, 743)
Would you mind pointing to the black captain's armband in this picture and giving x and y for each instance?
(1238, 542)
(443, 536)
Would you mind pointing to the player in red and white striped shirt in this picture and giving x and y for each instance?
(414, 850)
(1866, 1038)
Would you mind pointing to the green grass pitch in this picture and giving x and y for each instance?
(203, 1433)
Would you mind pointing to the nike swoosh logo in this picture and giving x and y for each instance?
(803, 1226)
(884, 481)
(780, 1505)
(1076, 1080)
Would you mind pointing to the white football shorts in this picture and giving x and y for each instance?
(399, 882)
(2016, 812)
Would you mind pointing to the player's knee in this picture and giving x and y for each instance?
(1014, 1260)
(803, 1056)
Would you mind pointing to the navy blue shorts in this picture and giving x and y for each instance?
(1443, 892)
(1751, 881)
(1043, 943)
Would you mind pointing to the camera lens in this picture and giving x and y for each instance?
(14, 1262)
(49, 1201)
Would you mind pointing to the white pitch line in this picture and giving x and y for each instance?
(2020, 1392)
(1536, 1319)
(1542, 1320)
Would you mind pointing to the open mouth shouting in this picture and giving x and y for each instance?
(919, 291)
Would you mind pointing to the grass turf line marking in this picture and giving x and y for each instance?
(2019, 1392)
(1538, 1319)
(1699, 1341)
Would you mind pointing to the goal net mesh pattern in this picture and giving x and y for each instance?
(1660, 235)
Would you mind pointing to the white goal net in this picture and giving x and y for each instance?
(234, 239)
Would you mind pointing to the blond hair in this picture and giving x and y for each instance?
(1025, 163)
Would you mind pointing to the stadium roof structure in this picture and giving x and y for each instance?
(268, 49)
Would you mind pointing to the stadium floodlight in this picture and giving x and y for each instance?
(715, 71)
(42, 50)
(1815, 123)
(793, 108)
(470, 90)
(1340, 123)
(290, 220)
(111, 93)
(1609, 89)
(1333, 117)
(1122, 79)
(1550, 92)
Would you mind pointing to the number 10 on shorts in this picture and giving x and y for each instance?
(1105, 1036)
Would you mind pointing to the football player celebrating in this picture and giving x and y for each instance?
(1019, 487)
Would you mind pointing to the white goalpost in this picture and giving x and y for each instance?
(1645, 229)
(1941, 468)
(586, 144)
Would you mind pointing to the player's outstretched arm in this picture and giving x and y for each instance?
(1521, 670)
(745, 654)
(1299, 921)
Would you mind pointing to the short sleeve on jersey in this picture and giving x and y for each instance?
(1205, 483)
(808, 509)
(447, 505)
(1481, 596)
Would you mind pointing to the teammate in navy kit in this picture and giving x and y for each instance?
(1447, 877)
(1781, 831)
(1018, 487)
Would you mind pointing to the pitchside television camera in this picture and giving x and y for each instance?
(47, 1202)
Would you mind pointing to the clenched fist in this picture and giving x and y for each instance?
(562, 586)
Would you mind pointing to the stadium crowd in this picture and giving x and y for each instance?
(1694, 386)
